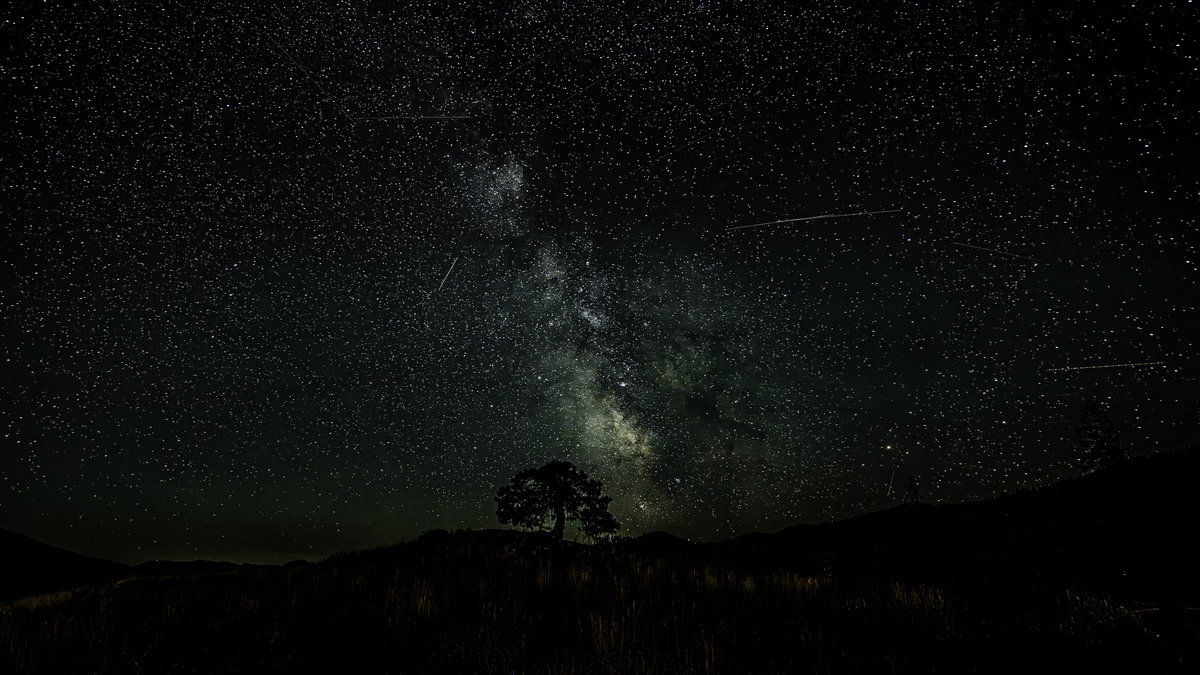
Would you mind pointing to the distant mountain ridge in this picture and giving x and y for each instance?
(1131, 530)
(31, 567)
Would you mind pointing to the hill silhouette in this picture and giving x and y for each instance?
(1130, 531)
(30, 567)
(1089, 574)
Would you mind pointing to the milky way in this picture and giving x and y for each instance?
(283, 282)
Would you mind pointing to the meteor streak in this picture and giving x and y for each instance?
(697, 140)
(828, 215)
(1111, 365)
(669, 152)
(531, 60)
(597, 82)
(314, 80)
(417, 117)
(992, 250)
(447, 274)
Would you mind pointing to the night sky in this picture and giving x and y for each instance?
(277, 283)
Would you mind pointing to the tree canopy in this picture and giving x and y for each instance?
(911, 495)
(1098, 437)
(557, 491)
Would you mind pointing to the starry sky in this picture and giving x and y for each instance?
(278, 282)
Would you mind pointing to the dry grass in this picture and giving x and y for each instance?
(461, 606)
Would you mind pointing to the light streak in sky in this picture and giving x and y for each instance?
(992, 250)
(828, 215)
(447, 274)
(597, 82)
(670, 152)
(697, 140)
(314, 80)
(1111, 365)
(417, 117)
(531, 60)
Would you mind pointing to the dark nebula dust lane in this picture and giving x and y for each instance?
(283, 282)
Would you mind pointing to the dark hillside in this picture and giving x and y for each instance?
(1086, 575)
(1131, 532)
(504, 601)
(30, 567)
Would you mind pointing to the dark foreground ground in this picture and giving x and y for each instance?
(1090, 575)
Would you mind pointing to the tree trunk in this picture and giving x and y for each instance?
(560, 521)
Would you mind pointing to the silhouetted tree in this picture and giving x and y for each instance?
(560, 491)
(911, 495)
(1099, 439)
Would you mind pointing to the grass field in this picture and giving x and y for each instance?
(506, 602)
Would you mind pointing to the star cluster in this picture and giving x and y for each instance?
(285, 281)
